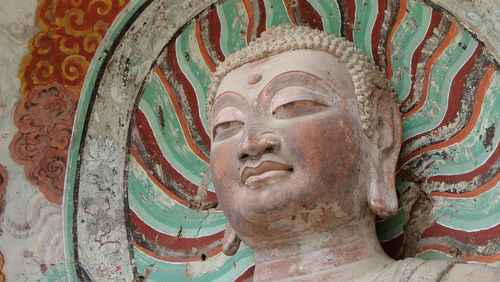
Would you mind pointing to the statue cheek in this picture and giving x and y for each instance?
(331, 151)
(321, 142)
(224, 170)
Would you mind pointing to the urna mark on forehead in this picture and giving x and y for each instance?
(250, 79)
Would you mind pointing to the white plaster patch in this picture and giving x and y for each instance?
(17, 27)
(196, 269)
(142, 177)
(102, 151)
(42, 229)
(118, 94)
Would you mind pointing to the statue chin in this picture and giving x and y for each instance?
(301, 170)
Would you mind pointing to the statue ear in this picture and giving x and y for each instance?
(231, 242)
(387, 134)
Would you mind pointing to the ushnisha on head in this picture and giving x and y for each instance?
(285, 37)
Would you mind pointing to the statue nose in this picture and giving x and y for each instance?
(255, 143)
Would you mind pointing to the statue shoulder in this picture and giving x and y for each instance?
(415, 269)
(472, 272)
(432, 270)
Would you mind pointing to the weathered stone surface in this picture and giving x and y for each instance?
(100, 212)
(481, 17)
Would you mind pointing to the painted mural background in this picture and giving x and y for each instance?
(45, 50)
(441, 61)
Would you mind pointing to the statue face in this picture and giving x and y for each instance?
(287, 151)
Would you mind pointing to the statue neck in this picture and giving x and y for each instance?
(350, 252)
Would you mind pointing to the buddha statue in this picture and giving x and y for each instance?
(306, 133)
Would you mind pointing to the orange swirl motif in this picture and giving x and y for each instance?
(70, 32)
(3, 185)
(2, 261)
(45, 119)
(52, 75)
(74, 68)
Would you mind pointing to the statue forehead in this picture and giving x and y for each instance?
(254, 76)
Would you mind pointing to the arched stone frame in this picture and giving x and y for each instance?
(122, 63)
(95, 195)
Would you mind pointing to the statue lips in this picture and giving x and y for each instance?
(265, 173)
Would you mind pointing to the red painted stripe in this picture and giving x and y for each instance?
(310, 15)
(476, 111)
(474, 193)
(161, 186)
(483, 259)
(351, 10)
(169, 193)
(214, 33)
(175, 260)
(456, 92)
(382, 4)
(446, 250)
(172, 242)
(248, 8)
(149, 141)
(457, 88)
(203, 49)
(289, 11)
(180, 116)
(430, 64)
(262, 18)
(246, 275)
(435, 20)
(471, 174)
(188, 91)
(152, 147)
(403, 4)
(480, 238)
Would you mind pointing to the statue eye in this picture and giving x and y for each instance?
(227, 123)
(298, 108)
(226, 129)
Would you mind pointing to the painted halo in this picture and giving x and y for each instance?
(138, 198)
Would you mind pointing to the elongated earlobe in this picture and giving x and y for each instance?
(231, 242)
(382, 196)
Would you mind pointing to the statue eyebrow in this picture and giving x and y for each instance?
(273, 87)
(227, 95)
(276, 84)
